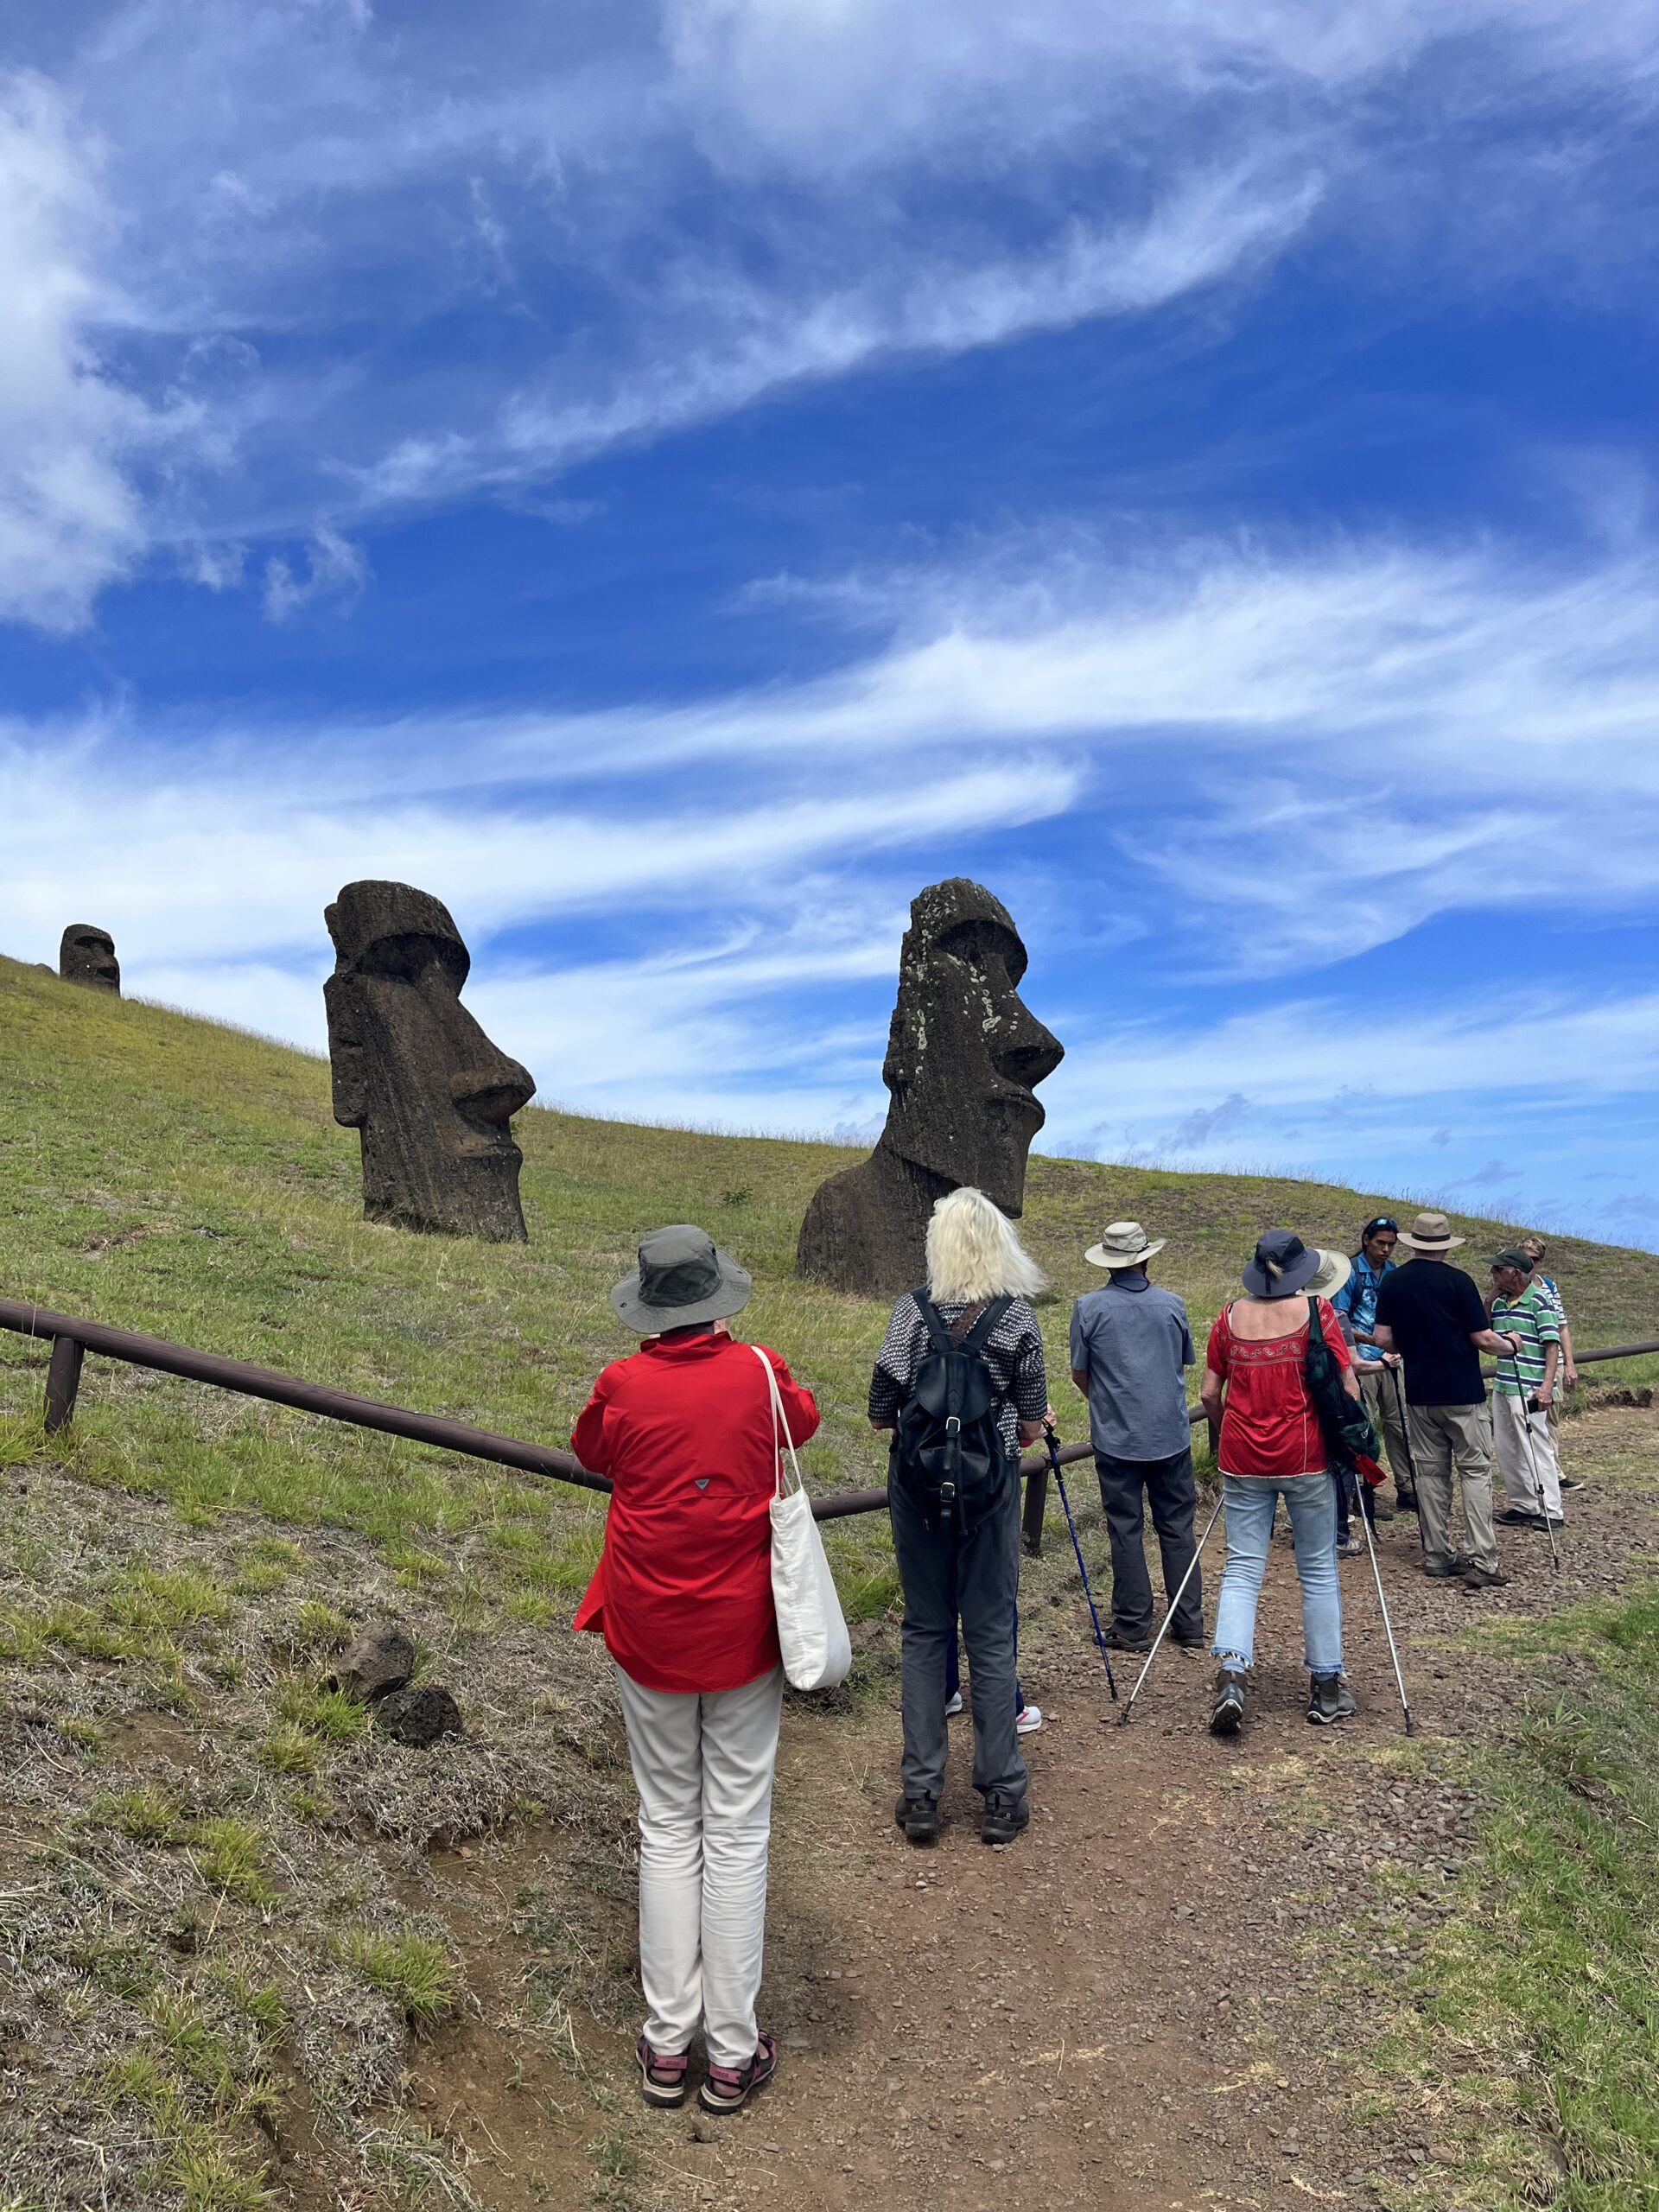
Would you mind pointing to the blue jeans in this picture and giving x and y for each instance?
(1311, 1502)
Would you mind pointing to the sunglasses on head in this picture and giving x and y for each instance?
(1381, 1222)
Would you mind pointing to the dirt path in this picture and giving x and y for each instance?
(1120, 2011)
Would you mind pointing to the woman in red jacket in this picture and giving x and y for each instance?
(682, 1597)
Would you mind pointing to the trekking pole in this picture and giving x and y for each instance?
(1532, 1467)
(1388, 1625)
(1411, 1464)
(1052, 1442)
(1175, 1607)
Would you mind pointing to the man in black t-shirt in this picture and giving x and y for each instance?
(1435, 1315)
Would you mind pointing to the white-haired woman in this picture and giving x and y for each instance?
(968, 1350)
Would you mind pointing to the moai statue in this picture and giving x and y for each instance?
(87, 956)
(964, 1057)
(432, 1097)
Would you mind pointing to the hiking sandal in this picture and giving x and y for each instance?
(727, 2087)
(661, 2075)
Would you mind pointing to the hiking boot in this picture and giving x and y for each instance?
(1227, 1717)
(1447, 1567)
(1004, 1820)
(1380, 1510)
(1198, 1642)
(1329, 1698)
(1513, 1516)
(1351, 1548)
(727, 2087)
(1484, 1577)
(1407, 1499)
(1117, 1641)
(919, 1818)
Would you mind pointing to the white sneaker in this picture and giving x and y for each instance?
(1028, 1720)
(953, 1705)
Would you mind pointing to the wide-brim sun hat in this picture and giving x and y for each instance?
(1281, 1265)
(683, 1278)
(1123, 1244)
(1333, 1270)
(1431, 1232)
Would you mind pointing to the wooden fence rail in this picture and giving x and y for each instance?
(73, 1337)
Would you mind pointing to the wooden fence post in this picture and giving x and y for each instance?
(63, 1381)
(1036, 1506)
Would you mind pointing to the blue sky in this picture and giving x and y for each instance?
(673, 480)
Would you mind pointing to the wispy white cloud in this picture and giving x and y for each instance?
(335, 570)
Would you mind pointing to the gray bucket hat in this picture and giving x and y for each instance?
(1123, 1244)
(1281, 1266)
(682, 1276)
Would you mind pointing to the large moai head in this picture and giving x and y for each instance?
(415, 1074)
(965, 1053)
(86, 955)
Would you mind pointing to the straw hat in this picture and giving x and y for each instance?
(1431, 1232)
(1123, 1244)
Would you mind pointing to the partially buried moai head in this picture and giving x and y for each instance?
(86, 955)
(965, 1053)
(432, 1097)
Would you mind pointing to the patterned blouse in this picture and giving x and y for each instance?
(1269, 1426)
(1012, 1352)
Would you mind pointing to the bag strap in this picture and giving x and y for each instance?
(938, 1335)
(779, 1427)
(980, 1334)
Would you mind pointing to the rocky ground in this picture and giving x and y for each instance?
(351, 1973)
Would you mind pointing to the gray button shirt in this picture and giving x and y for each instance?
(1132, 1340)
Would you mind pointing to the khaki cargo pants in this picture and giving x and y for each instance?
(1445, 1440)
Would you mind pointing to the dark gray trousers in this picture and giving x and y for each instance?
(975, 1579)
(1126, 1487)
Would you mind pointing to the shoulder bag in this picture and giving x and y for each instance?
(811, 1629)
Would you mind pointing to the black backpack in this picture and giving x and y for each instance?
(947, 1450)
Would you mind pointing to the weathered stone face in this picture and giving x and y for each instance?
(432, 1098)
(86, 955)
(964, 1055)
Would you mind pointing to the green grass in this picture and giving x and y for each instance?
(179, 1177)
(1537, 2004)
(412, 1970)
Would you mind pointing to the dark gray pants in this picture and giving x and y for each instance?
(975, 1579)
(1126, 1487)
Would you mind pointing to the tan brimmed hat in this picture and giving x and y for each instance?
(1327, 1279)
(1431, 1232)
(1122, 1244)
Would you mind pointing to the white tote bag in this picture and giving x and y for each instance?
(812, 1631)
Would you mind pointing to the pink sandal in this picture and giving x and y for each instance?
(729, 2087)
(662, 2075)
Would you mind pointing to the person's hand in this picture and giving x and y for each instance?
(1515, 1345)
(1570, 1379)
(1543, 1397)
(1392, 1359)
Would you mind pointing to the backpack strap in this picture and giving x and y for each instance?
(976, 1338)
(937, 1335)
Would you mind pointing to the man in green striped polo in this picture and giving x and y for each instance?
(1523, 1309)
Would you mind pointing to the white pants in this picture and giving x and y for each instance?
(703, 1767)
(1524, 1476)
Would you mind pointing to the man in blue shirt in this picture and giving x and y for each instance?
(1380, 1388)
(1130, 1344)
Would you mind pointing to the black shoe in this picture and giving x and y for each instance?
(919, 1818)
(1198, 1643)
(1484, 1577)
(1004, 1820)
(1329, 1698)
(1447, 1567)
(1406, 1499)
(1571, 1482)
(1227, 1717)
(1116, 1641)
(1513, 1517)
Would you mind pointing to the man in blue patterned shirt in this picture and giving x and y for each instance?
(1378, 1371)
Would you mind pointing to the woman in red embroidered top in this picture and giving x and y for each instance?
(1270, 1447)
(682, 1597)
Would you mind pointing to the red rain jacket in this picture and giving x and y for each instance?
(682, 1592)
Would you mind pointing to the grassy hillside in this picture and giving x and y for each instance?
(181, 1177)
(233, 1967)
